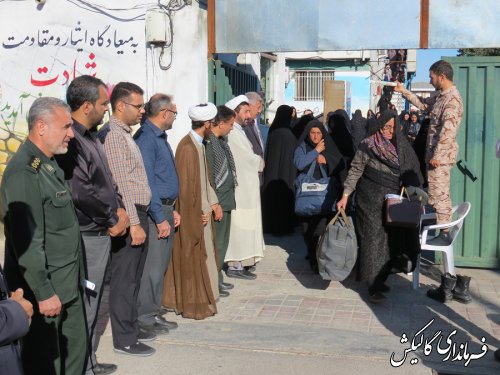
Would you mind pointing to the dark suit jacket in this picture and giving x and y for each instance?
(253, 137)
(14, 323)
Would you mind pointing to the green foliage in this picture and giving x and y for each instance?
(479, 52)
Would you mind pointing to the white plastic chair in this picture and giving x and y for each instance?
(437, 243)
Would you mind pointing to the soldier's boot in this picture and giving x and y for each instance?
(443, 293)
(461, 291)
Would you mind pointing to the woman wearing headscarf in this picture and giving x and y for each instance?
(315, 145)
(295, 119)
(413, 128)
(339, 128)
(301, 124)
(359, 128)
(419, 145)
(384, 162)
(404, 122)
(370, 114)
(278, 199)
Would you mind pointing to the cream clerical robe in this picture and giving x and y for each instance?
(246, 239)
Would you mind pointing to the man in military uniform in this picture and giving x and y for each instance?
(42, 249)
(446, 111)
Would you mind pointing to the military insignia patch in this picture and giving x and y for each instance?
(35, 163)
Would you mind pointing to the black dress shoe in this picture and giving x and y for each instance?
(164, 322)
(225, 286)
(154, 329)
(103, 368)
(241, 274)
(223, 293)
(250, 268)
(384, 288)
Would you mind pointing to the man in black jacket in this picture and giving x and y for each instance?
(98, 206)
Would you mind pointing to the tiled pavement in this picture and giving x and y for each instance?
(288, 296)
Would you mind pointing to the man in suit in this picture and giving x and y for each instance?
(251, 127)
(15, 318)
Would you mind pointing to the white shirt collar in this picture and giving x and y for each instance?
(198, 137)
(239, 127)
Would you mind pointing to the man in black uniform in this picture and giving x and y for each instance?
(42, 243)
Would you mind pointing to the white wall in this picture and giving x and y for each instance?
(43, 47)
(187, 79)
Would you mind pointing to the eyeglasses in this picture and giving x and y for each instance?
(139, 107)
(169, 110)
(387, 127)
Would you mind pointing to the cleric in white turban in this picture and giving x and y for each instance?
(191, 283)
(202, 112)
(236, 101)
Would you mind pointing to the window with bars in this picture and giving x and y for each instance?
(309, 84)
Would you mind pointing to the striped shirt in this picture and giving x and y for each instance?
(127, 167)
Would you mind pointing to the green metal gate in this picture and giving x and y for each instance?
(477, 176)
(227, 81)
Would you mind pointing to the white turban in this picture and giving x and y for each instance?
(234, 102)
(202, 112)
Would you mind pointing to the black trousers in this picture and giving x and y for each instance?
(127, 264)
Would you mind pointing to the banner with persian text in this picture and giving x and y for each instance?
(44, 46)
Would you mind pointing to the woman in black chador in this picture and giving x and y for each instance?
(278, 198)
(384, 162)
(315, 145)
(359, 128)
(339, 128)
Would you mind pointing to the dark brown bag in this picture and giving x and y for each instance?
(402, 212)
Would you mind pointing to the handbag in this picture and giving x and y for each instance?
(337, 248)
(401, 211)
(314, 196)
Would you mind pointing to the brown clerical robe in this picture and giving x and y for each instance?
(187, 288)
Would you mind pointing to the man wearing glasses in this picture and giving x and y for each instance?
(164, 183)
(128, 253)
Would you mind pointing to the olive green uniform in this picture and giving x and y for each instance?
(43, 256)
(225, 195)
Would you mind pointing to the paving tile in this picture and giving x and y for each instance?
(360, 322)
(303, 317)
(322, 318)
(361, 315)
(343, 314)
(284, 315)
(306, 311)
(340, 323)
(265, 313)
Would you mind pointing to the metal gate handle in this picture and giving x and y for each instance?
(464, 168)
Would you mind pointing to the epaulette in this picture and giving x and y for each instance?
(35, 164)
